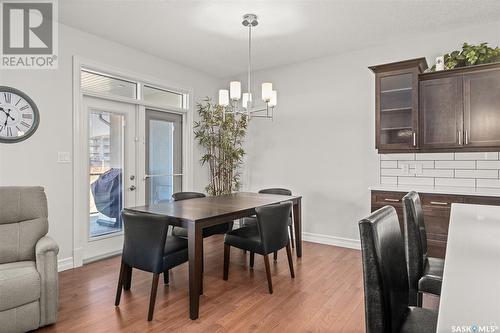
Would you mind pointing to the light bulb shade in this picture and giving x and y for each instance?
(274, 98)
(224, 97)
(247, 98)
(267, 90)
(235, 90)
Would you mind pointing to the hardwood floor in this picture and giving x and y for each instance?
(325, 296)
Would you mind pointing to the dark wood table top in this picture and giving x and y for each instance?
(201, 209)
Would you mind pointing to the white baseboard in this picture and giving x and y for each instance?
(64, 264)
(331, 240)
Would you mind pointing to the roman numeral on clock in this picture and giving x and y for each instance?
(27, 116)
(24, 107)
(7, 97)
(25, 124)
(9, 131)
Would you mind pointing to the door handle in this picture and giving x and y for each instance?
(439, 203)
(466, 137)
(391, 200)
(132, 188)
(163, 175)
(459, 138)
(414, 139)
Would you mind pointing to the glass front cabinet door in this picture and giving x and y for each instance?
(396, 105)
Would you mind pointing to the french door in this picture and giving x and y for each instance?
(133, 157)
(111, 173)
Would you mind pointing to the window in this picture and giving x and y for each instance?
(162, 97)
(103, 84)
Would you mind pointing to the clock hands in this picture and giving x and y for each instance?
(8, 115)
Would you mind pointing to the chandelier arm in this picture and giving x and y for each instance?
(249, 82)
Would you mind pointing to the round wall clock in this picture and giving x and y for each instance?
(19, 116)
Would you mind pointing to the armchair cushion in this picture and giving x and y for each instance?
(19, 284)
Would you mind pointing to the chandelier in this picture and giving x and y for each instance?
(234, 102)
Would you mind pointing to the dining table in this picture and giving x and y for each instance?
(470, 293)
(199, 213)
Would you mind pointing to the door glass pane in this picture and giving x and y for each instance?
(106, 160)
(396, 109)
(164, 158)
(162, 97)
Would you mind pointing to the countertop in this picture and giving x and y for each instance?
(470, 294)
(488, 192)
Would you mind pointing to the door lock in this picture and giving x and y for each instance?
(132, 188)
(132, 177)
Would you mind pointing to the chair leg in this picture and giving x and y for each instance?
(152, 299)
(419, 299)
(268, 273)
(128, 278)
(290, 261)
(275, 256)
(166, 279)
(227, 249)
(252, 259)
(291, 235)
(120, 284)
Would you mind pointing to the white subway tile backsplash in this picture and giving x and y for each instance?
(488, 164)
(436, 173)
(455, 164)
(477, 156)
(392, 172)
(476, 173)
(396, 157)
(415, 181)
(461, 182)
(434, 156)
(389, 164)
(389, 180)
(491, 183)
(469, 170)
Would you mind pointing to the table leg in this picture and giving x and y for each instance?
(297, 223)
(195, 256)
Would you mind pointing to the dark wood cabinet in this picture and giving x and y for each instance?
(436, 208)
(450, 110)
(396, 102)
(441, 113)
(482, 109)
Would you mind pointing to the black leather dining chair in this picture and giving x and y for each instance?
(425, 274)
(148, 247)
(385, 278)
(270, 234)
(280, 191)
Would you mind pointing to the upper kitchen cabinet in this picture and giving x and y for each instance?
(482, 108)
(396, 103)
(441, 113)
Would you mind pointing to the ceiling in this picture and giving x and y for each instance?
(208, 35)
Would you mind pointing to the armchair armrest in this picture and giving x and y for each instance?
(46, 251)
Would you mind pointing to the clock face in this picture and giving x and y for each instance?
(19, 115)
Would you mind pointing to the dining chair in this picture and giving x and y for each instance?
(269, 234)
(280, 191)
(148, 247)
(385, 278)
(425, 273)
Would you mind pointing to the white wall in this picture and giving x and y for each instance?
(34, 162)
(321, 143)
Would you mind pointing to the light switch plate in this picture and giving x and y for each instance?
(63, 157)
(405, 168)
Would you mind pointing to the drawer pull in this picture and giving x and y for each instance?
(391, 200)
(439, 203)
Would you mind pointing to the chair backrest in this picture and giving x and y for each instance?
(415, 238)
(187, 195)
(272, 221)
(384, 271)
(281, 191)
(23, 221)
(144, 243)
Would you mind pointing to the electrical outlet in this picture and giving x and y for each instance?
(63, 157)
(419, 168)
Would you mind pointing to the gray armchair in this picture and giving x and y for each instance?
(28, 261)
